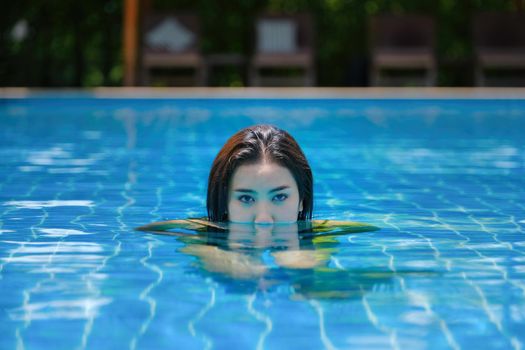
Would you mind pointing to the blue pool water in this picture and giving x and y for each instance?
(443, 179)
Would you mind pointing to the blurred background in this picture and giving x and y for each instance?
(57, 43)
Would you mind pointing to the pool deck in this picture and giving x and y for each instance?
(270, 93)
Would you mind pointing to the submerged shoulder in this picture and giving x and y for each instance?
(191, 224)
(341, 227)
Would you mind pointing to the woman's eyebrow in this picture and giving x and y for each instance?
(244, 190)
(277, 189)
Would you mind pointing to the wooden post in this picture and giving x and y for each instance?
(130, 41)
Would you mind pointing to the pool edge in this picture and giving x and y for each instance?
(266, 93)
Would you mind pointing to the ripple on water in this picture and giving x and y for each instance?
(49, 204)
(54, 248)
(77, 170)
(61, 232)
(59, 309)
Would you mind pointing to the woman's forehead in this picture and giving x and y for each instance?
(269, 175)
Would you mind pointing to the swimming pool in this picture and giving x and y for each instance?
(442, 178)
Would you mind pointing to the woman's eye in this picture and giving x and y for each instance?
(280, 197)
(246, 199)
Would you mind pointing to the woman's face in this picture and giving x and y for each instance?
(263, 193)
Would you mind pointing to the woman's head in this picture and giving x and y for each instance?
(260, 175)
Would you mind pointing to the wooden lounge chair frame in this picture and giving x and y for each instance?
(187, 58)
(499, 43)
(402, 42)
(302, 57)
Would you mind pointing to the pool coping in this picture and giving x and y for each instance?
(266, 93)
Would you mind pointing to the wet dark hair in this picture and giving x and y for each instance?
(252, 145)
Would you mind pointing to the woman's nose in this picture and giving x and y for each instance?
(263, 215)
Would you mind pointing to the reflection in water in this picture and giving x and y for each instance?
(247, 256)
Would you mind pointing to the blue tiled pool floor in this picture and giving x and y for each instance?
(444, 179)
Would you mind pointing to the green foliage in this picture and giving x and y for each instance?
(68, 43)
(79, 43)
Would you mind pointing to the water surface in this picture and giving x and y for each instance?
(443, 179)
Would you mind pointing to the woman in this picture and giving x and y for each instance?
(259, 201)
(260, 176)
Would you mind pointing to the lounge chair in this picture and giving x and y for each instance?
(402, 43)
(283, 42)
(171, 42)
(499, 43)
